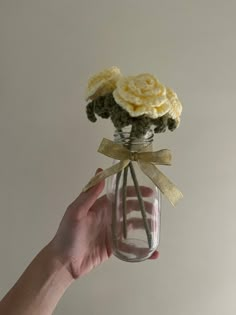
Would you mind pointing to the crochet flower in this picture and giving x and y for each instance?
(142, 94)
(175, 105)
(102, 83)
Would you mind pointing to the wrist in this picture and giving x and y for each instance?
(58, 264)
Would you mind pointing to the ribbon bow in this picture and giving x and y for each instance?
(146, 162)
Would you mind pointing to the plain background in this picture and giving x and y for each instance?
(48, 50)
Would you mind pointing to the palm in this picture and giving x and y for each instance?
(85, 240)
(92, 244)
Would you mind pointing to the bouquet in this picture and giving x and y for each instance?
(139, 106)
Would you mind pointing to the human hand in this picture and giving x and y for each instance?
(82, 241)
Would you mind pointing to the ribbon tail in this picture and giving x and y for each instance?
(106, 173)
(172, 193)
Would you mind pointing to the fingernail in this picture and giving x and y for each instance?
(98, 171)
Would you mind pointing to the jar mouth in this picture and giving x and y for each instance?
(125, 136)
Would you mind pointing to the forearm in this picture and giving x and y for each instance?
(39, 288)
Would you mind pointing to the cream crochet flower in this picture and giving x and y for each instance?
(142, 94)
(176, 107)
(102, 83)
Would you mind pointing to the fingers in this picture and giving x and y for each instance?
(155, 255)
(103, 201)
(145, 191)
(134, 205)
(85, 200)
(138, 224)
(133, 223)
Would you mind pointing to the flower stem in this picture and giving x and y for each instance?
(124, 202)
(114, 210)
(142, 206)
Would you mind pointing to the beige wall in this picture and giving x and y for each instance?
(48, 148)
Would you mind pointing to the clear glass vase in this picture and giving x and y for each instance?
(135, 204)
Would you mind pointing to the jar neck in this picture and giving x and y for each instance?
(126, 138)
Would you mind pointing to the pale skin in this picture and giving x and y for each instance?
(80, 244)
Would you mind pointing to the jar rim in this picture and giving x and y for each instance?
(125, 135)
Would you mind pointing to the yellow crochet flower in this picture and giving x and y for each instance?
(142, 94)
(176, 107)
(102, 83)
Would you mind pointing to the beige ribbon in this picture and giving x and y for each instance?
(146, 162)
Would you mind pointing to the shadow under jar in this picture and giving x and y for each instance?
(135, 205)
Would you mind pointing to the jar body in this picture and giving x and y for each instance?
(135, 204)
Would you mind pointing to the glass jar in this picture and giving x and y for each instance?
(135, 204)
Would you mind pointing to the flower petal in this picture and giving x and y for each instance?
(102, 83)
(176, 106)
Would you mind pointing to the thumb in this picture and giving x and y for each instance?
(86, 199)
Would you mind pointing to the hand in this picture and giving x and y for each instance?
(82, 241)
